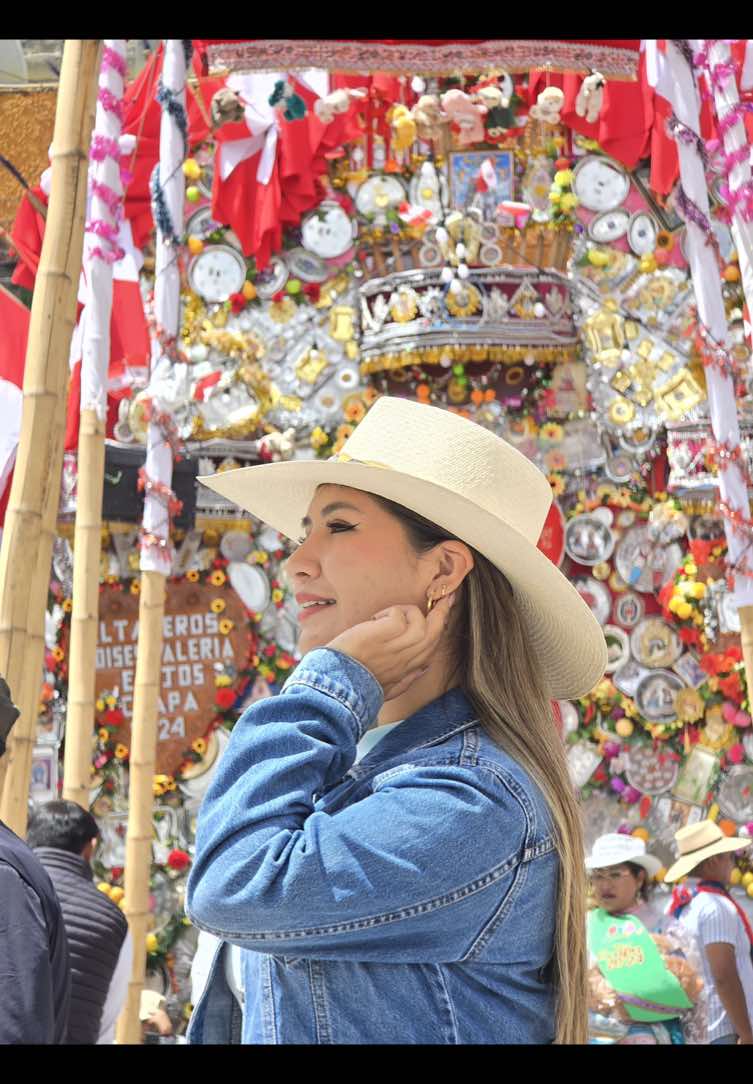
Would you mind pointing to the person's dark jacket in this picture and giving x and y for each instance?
(35, 976)
(96, 930)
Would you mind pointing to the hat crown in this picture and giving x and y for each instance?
(694, 837)
(463, 457)
(615, 847)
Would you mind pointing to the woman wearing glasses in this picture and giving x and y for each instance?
(644, 975)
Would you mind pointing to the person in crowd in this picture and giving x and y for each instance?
(719, 923)
(35, 978)
(655, 997)
(64, 836)
(432, 892)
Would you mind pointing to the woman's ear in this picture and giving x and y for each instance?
(455, 562)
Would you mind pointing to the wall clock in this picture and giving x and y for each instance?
(217, 272)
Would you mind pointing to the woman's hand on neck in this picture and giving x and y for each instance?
(430, 686)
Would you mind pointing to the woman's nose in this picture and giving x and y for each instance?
(303, 563)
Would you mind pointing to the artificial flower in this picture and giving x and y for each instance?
(100, 705)
(224, 699)
(222, 680)
(192, 575)
(226, 626)
(551, 431)
(555, 461)
(67, 605)
(152, 943)
(665, 240)
(103, 735)
(278, 595)
(689, 705)
(355, 411)
(259, 557)
(121, 751)
(344, 431)
(563, 178)
(58, 654)
(557, 482)
(135, 587)
(568, 202)
(217, 578)
(114, 717)
(199, 746)
(217, 605)
(318, 437)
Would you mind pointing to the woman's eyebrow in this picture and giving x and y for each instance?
(329, 509)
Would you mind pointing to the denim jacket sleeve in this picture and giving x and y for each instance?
(408, 872)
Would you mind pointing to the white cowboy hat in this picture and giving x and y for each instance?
(698, 841)
(615, 848)
(468, 481)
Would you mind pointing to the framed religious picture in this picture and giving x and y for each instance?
(690, 670)
(673, 814)
(696, 776)
(44, 773)
(582, 760)
(464, 173)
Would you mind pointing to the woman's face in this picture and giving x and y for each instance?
(353, 561)
(616, 888)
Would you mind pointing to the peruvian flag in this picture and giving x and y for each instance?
(487, 176)
(15, 323)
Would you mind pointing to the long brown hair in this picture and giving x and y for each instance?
(506, 687)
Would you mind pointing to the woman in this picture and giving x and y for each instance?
(644, 984)
(431, 892)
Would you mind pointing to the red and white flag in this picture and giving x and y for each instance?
(14, 317)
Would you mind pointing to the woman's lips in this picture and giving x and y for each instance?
(306, 612)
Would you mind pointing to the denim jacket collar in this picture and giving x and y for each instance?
(432, 723)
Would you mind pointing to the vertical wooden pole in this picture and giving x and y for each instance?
(140, 830)
(26, 552)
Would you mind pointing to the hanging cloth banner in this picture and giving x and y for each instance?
(628, 958)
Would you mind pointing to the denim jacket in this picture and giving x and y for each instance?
(409, 898)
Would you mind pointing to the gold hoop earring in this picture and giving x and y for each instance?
(432, 598)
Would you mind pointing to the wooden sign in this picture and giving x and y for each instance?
(196, 639)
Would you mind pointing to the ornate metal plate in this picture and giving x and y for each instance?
(655, 696)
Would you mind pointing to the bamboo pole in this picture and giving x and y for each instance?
(140, 828)
(95, 356)
(26, 551)
(155, 555)
(83, 643)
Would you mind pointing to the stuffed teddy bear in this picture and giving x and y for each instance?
(466, 117)
(590, 97)
(276, 446)
(429, 118)
(548, 106)
(338, 101)
(226, 106)
(403, 127)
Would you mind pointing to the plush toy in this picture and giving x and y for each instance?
(276, 446)
(548, 106)
(338, 101)
(498, 121)
(466, 117)
(429, 118)
(226, 106)
(491, 96)
(285, 98)
(403, 127)
(590, 97)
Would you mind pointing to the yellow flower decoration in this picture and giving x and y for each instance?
(104, 735)
(111, 701)
(369, 395)
(338, 445)
(217, 578)
(226, 626)
(217, 605)
(135, 587)
(278, 595)
(557, 482)
(58, 654)
(100, 705)
(568, 202)
(344, 431)
(318, 437)
(563, 178)
(152, 942)
(471, 304)
(259, 557)
(121, 752)
(199, 746)
(221, 681)
(554, 460)
(689, 705)
(355, 411)
(192, 575)
(67, 605)
(551, 431)
(284, 664)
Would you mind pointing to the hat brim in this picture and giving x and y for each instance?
(647, 861)
(564, 634)
(688, 862)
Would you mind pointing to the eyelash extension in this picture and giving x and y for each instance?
(338, 527)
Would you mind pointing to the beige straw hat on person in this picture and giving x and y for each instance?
(468, 481)
(698, 841)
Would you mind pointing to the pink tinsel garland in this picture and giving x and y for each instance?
(111, 103)
(103, 147)
(108, 195)
(113, 59)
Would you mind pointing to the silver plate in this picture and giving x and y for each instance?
(655, 644)
(272, 278)
(430, 255)
(596, 596)
(618, 647)
(628, 677)
(236, 545)
(588, 540)
(649, 772)
(640, 563)
(628, 609)
(609, 225)
(250, 584)
(491, 255)
(655, 696)
(307, 267)
(619, 468)
(642, 233)
(735, 793)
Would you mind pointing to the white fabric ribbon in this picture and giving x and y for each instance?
(262, 122)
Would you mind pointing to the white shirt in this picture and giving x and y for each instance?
(713, 919)
(117, 993)
(372, 737)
